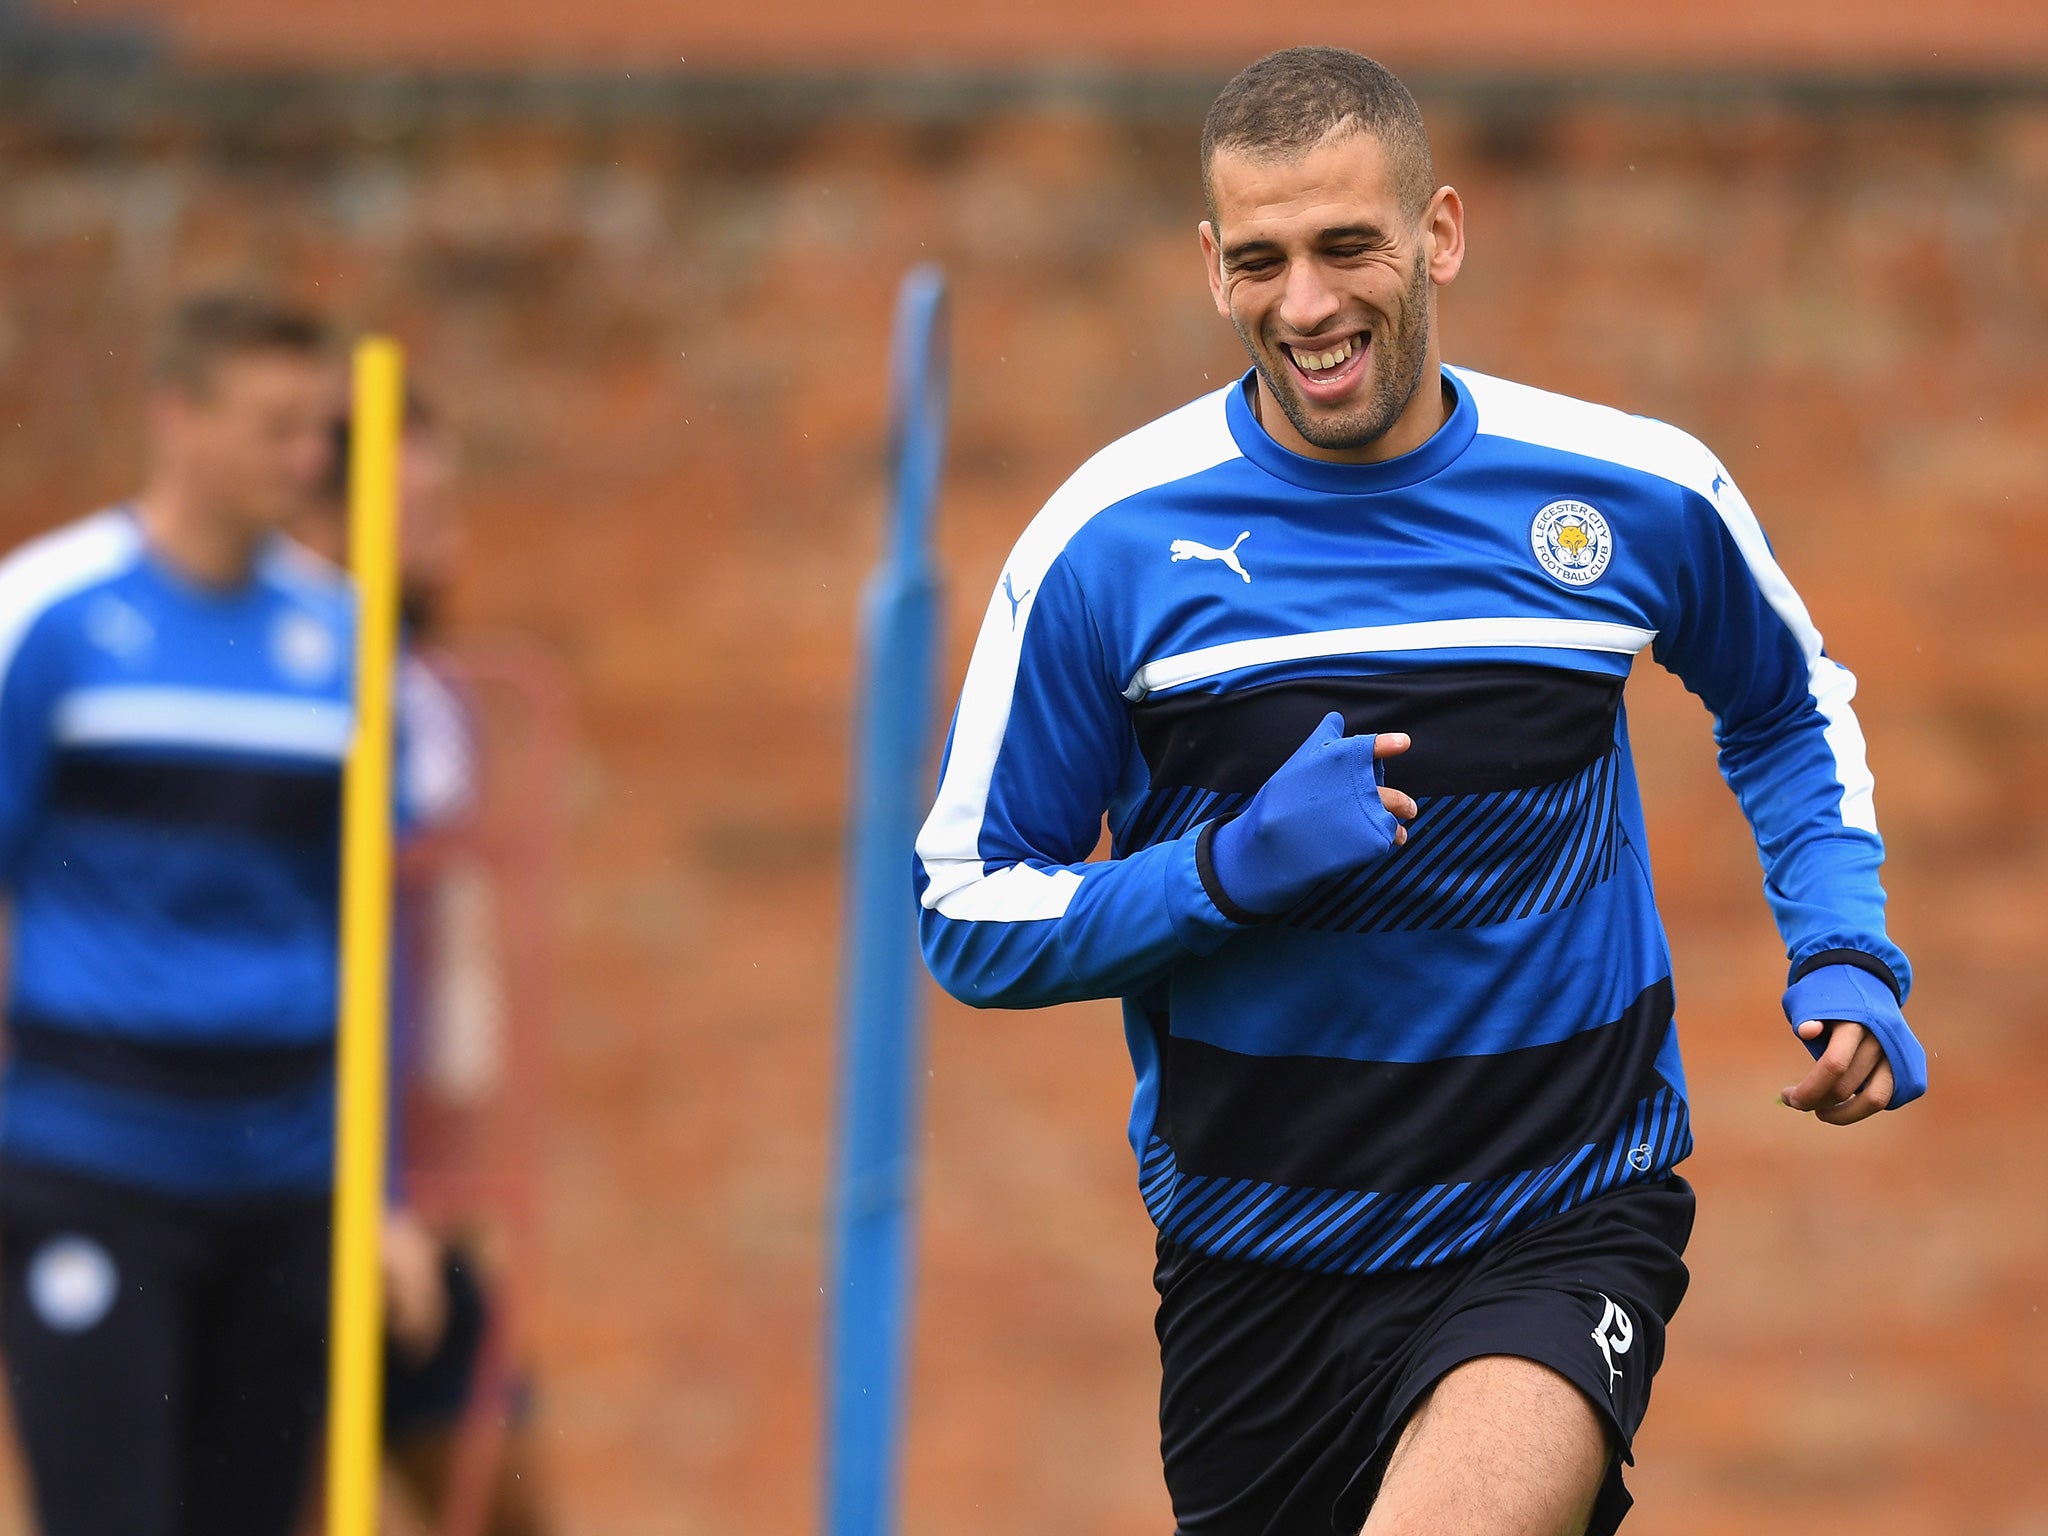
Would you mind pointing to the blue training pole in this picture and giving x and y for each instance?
(874, 1192)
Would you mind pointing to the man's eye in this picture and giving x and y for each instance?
(1347, 252)
(1257, 268)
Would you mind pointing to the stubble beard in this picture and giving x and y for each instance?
(1396, 376)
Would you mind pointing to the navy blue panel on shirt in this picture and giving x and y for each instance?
(1394, 1125)
(1477, 1035)
(279, 802)
(1474, 728)
(164, 1067)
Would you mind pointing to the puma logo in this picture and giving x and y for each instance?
(1189, 549)
(1016, 598)
(1615, 1333)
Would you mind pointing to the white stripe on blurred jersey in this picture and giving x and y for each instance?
(437, 756)
(221, 719)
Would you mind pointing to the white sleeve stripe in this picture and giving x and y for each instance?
(1018, 894)
(1185, 442)
(1831, 684)
(59, 564)
(1549, 420)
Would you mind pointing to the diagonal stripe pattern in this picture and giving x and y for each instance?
(1336, 1231)
(1168, 813)
(1475, 860)
(1470, 861)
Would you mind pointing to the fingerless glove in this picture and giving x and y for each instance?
(1319, 816)
(1850, 994)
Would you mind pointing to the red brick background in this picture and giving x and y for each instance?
(663, 339)
(1907, 36)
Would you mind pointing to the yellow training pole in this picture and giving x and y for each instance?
(356, 1322)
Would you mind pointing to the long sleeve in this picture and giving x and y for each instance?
(1014, 915)
(1790, 744)
(33, 580)
(30, 678)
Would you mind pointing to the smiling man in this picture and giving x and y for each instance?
(1339, 651)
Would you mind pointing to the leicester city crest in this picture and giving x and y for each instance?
(304, 649)
(1572, 542)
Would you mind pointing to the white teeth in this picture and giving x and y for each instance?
(1320, 362)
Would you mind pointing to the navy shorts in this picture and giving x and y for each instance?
(1283, 1391)
(167, 1358)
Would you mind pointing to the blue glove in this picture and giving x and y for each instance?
(1319, 816)
(1849, 994)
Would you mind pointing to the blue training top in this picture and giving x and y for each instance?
(1478, 1035)
(170, 772)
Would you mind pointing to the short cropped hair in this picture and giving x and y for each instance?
(1290, 101)
(205, 330)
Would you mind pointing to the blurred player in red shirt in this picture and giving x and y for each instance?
(448, 1017)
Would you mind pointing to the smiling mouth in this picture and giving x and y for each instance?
(1334, 364)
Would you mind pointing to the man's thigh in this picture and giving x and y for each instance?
(259, 1373)
(1501, 1446)
(1285, 1395)
(92, 1320)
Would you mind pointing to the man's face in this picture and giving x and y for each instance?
(1328, 275)
(430, 529)
(253, 447)
(430, 535)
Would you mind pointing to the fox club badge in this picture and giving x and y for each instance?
(1572, 542)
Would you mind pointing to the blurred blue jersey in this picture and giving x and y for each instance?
(1478, 1035)
(170, 773)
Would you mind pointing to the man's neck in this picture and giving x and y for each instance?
(194, 539)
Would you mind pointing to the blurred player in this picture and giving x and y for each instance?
(438, 1309)
(174, 714)
(1339, 651)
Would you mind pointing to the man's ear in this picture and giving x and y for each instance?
(1212, 259)
(1443, 229)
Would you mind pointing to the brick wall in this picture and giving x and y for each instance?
(663, 335)
(1900, 36)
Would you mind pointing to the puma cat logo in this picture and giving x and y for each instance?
(1189, 549)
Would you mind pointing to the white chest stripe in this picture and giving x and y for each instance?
(1388, 639)
(220, 719)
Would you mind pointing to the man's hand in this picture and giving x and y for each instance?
(1865, 1056)
(1851, 1081)
(1325, 812)
(415, 1291)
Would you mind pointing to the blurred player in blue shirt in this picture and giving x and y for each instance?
(174, 714)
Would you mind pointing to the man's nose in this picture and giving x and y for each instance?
(1308, 301)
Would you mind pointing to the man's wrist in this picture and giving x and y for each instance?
(1861, 960)
(1205, 868)
(1200, 921)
